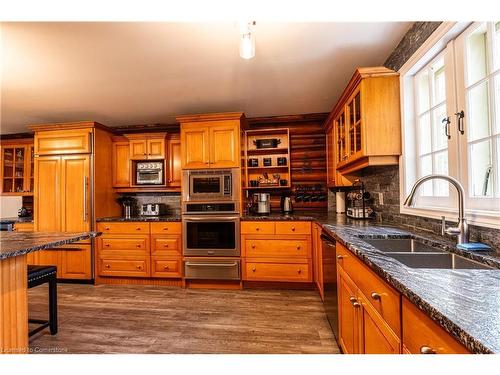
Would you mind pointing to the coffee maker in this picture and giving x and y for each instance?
(263, 203)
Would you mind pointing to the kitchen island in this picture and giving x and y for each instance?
(13, 281)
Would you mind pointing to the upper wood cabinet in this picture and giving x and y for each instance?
(121, 163)
(57, 142)
(174, 161)
(211, 141)
(17, 168)
(365, 123)
(147, 146)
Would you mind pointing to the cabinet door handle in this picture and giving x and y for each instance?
(376, 296)
(84, 198)
(340, 257)
(427, 350)
(253, 246)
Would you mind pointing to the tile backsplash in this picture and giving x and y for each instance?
(383, 182)
(171, 200)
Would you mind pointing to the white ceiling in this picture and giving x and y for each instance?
(139, 73)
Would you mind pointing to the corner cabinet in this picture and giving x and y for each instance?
(211, 140)
(17, 167)
(367, 112)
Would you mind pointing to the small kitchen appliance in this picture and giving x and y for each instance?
(263, 201)
(149, 173)
(358, 202)
(153, 209)
(286, 205)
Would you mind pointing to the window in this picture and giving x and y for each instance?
(451, 121)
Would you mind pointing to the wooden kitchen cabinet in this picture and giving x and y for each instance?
(174, 161)
(211, 141)
(349, 322)
(16, 167)
(276, 251)
(27, 226)
(121, 164)
(368, 107)
(421, 335)
(147, 146)
(139, 249)
(73, 261)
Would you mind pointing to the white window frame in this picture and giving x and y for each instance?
(441, 39)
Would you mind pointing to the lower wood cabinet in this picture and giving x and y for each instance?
(375, 319)
(24, 227)
(421, 335)
(128, 249)
(73, 261)
(276, 251)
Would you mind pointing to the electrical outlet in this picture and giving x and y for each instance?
(381, 199)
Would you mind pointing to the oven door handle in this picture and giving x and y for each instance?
(210, 217)
(189, 264)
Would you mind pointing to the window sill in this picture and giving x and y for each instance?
(490, 219)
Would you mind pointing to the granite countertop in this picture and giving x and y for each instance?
(465, 302)
(14, 244)
(9, 220)
(165, 218)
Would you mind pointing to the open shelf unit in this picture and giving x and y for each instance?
(270, 154)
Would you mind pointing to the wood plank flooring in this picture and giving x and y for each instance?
(153, 319)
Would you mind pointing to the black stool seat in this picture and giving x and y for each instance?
(38, 275)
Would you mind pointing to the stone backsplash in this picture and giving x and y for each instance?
(385, 181)
(171, 200)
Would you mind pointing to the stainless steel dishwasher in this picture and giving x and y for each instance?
(330, 283)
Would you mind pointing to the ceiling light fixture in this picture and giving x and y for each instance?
(247, 40)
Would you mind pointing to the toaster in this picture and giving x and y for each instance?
(153, 209)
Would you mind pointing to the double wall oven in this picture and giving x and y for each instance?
(211, 224)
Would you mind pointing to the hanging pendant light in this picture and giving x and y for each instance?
(247, 40)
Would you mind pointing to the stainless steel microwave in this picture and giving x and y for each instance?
(149, 173)
(210, 185)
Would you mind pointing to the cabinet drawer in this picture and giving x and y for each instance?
(123, 228)
(135, 243)
(421, 332)
(294, 227)
(257, 271)
(169, 246)
(165, 228)
(162, 267)
(128, 267)
(277, 248)
(384, 298)
(24, 227)
(257, 227)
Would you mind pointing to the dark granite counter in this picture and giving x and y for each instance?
(13, 244)
(166, 218)
(465, 302)
(12, 220)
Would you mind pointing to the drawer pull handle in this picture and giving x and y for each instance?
(165, 228)
(356, 304)
(253, 246)
(107, 228)
(138, 228)
(138, 245)
(340, 256)
(298, 247)
(427, 350)
(293, 229)
(376, 296)
(299, 271)
(254, 269)
(257, 229)
(139, 267)
(107, 245)
(107, 266)
(166, 245)
(353, 299)
(165, 267)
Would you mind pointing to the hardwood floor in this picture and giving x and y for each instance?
(150, 319)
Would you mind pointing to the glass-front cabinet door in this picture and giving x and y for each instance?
(17, 169)
(341, 138)
(354, 124)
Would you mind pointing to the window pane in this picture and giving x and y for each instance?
(497, 45)
(425, 169)
(439, 92)
(423, 91)
(478, 112)
(480, 169)
(441, 167)
(497, 104)
(440, 140)
(424, 136)
(476, 55)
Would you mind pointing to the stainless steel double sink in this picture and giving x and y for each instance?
(415, 254)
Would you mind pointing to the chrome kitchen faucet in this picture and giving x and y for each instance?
(462, 229)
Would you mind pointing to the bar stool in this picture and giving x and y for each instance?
(38, 275)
